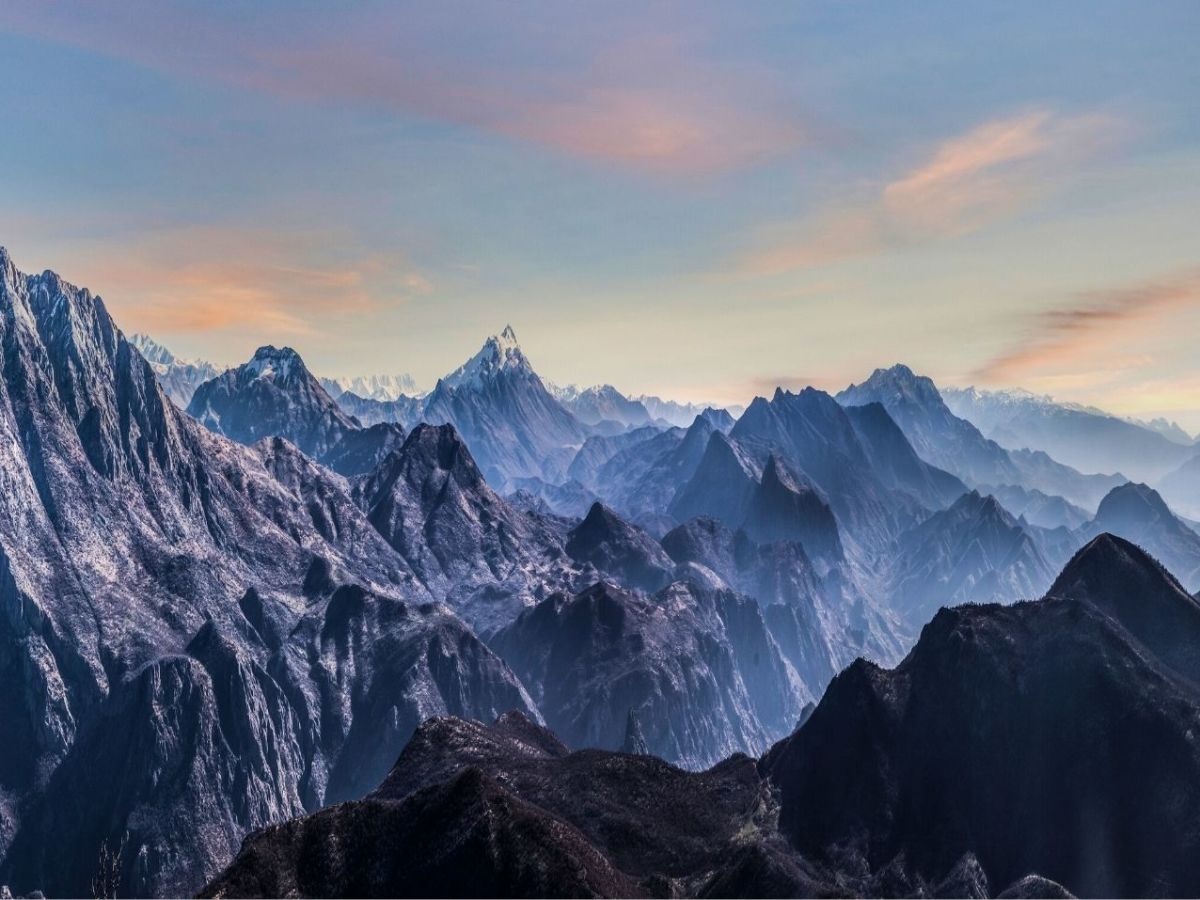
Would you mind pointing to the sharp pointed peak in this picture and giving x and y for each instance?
(499, 353)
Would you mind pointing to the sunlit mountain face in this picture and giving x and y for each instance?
(475, 451)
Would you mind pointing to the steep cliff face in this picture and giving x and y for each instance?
(167, 602)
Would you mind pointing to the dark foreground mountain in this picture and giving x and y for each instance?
(275, 395)
(507, 811)
(1056, 737)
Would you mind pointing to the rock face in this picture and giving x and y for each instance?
(641, 479)
(781, 509)
(191, 631)
(612, 545)
(1055, 737)
(820, 622)
(274, 394)
(696, 665)
(897, 463)
(465, 543)
(512, 423)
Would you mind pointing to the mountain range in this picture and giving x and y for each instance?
(1029, 750)
(528, 640)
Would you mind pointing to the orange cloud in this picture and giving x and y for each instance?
(1077, 333)
(990, 172)
(215, 279)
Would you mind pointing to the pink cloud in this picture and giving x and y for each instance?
(600, 93)
(1097, 326)
(226, 279)
(990, 172)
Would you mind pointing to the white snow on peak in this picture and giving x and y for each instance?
(273, 362)
(499, 353)
(373, 387)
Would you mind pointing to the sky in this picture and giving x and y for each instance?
(702, 201)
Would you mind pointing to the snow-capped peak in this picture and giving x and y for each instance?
(499, 353)
(277, 363)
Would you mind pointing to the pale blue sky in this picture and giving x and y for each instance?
(702, 201)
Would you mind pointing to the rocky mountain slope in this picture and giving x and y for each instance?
(464, 543)
(217, 626)
(696, 665)
(973, 552)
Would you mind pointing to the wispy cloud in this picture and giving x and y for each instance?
(992, 171)
(1077, 333)
(603, 91)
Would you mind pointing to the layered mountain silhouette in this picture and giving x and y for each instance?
(603, 405)
(696, 665)
(464, 542)
(953, 443)
(1138, 513)
(178, 378)
(973, 552)
(286, 616)
(1182, 486)
(1084, 438)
